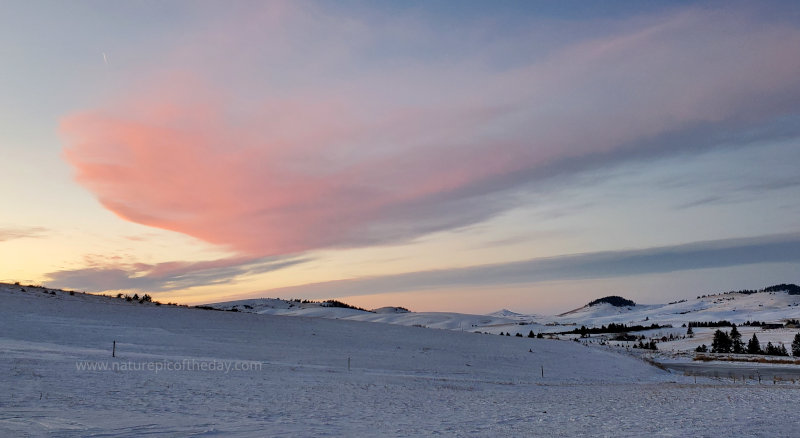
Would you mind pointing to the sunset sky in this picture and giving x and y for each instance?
(438, 155)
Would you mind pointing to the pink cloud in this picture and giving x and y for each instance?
(320, 145)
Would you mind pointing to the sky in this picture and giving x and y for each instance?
(437, 155)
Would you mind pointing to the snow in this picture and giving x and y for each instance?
(293, 378)
(735, 307)
(389, 315)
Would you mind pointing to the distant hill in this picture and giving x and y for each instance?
(505, 313)
(614, 300)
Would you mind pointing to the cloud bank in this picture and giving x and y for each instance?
(168, 276)
(308, 130)
(608, 264)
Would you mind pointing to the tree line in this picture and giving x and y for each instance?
(731, 342)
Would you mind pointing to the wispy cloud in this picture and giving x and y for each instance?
(611, 264)
(315, 139)
(165, 276)
(11, 233)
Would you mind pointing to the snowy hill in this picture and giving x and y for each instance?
(181, 371)
(775, 306)
(389, 315)
(735, 307)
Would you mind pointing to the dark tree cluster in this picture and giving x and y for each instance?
(520, 335)
(725, 342)
(613, 328)
(722, 323)
(337, 303)
(143, 299)
(791, 289)
(646, 345)
(614, 300)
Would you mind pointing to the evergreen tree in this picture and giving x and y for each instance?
(737, 346)
(770, 350)
(796, 345)
(722, 342)
(753, 346)
(530, 334)
(690, 332)
(701, 349)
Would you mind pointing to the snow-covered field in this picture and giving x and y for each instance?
(181, 371)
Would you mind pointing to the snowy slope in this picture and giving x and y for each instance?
(390, 315)
(737, 308)
(299, 376)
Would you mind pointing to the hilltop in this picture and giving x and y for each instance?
(614, 300)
